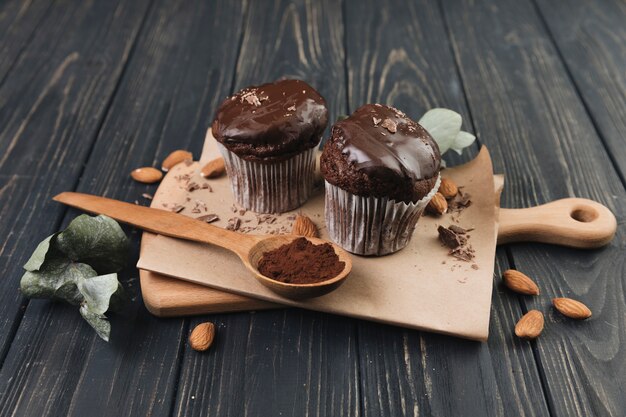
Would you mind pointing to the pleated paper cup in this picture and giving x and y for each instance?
(274, 187)
(371, 225)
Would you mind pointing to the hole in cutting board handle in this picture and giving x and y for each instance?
(584, 214)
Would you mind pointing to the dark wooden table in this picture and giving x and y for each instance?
(90, 90)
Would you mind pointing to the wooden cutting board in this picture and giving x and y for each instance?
(570, 222)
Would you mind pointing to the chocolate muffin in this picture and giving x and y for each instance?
(267, 135)
(381, 168)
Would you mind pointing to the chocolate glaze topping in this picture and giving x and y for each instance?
(272, 121)
(379, 151)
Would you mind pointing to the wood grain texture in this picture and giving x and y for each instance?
(591, 38)
(50, 107)
(289, 362)
(165, 100)
(404, 59)
(18, 22)
(527, 111)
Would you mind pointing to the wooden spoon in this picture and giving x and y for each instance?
(249, 248)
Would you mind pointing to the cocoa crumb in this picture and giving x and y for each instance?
(301, 262)
(390, 125)
(251, 98)
(206, 186)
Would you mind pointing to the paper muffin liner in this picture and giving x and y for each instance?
(270, 188)
(371, 225)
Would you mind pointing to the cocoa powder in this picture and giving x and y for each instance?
(301, 262)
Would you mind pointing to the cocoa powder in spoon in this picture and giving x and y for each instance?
(301, 262)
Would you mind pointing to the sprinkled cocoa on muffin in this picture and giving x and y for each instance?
(381, 169)
(267, 135)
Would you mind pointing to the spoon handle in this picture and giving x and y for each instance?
(162, 222)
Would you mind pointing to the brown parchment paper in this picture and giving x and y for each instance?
(419, 287)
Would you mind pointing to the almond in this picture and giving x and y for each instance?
(201, 338)
(214, 168)
(175, 158)
(448, 188)
(520, 283)
(437, 205)
(147, 175)
(304, 226)
(571, 308)
(530, 325)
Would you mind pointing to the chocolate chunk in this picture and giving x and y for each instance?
(448, 237)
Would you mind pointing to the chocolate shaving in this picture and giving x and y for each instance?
(208, 218)
(193, 187)
(233, 224)
(457, 229)
(390, 125)
(460, 202)
(463, 253)
(147, 196)
(292, 108)
(376, 121)
(177, 208)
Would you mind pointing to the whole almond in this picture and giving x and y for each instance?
(437, 205)
(571, 308)
(201, 338)
(530, 325)
(147, 175)
(304, 226)
(175, 158)
(448, 188)
(214, 168)
(520, 283)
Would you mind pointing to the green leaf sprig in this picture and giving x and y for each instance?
(79, 265)
(444, 126)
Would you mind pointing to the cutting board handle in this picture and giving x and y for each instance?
(573, 222)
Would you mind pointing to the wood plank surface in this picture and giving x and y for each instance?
(91, 90)
(288, 362)
(18, 22)
(527, 111)
(164, 101)
(405, 59)
(591, 38)
(50, 108)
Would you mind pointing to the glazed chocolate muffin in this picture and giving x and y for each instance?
(271, 122)
(378, 151)
(267, 135)
(381, 170)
